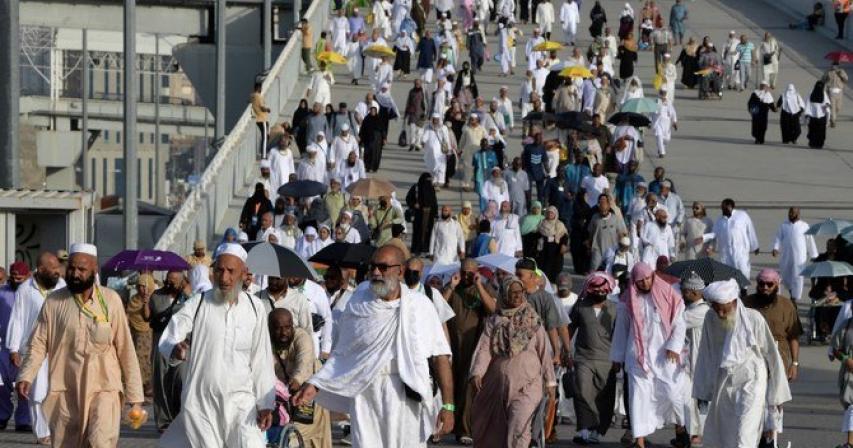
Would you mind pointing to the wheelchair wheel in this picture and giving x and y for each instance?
(290, 438)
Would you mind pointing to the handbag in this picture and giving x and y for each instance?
(569, 386)
(402, 140)
(737, 65)
(767, 58)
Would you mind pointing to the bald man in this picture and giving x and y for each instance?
(82, 329)
(379, 371)
(29, 299)
(222, 336)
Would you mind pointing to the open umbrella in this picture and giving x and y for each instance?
(344, 255)
(709, 269)
(371, 188)
(442, 270)
(847, 234)
(634, 119)
(548, 45)
(538, 116)
(378, 51)
(276, 261)
(302, 189)
(146, 260)
(332, 57)
(839, 56)
(575, 71)
(640, 106)
(829, 226)
(498, 261)
(827, 269)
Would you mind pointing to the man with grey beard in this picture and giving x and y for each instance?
(222, 335)
(379, 370)
(739, 374)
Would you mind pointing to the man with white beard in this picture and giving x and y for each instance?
(229, 389)
(734, 237)
(447, 244)
(796, 249)
(29, 298)
(281, 163)
(379, 371)
(657, 239)
(694, 316)
(506, 230)
(437, 144)
(340, 31)
(313, 167)
(739, 374)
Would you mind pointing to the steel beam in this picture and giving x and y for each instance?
(10, 86)
(131, 228)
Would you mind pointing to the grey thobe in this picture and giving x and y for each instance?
(595, 382)
(604, 233)
(518, 185)
(315, 124)
(167, 380)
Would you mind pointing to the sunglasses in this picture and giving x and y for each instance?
(383, 267)
(761, 283)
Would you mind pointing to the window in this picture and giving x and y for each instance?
(164, 81)
(92, 178)
(151, 137)
(118, 175)
(141, 137)
(164, 138)
(119, 84)
(118, 137)
(106, 136)
(151, 179)
(106, 83)
(104, 173)
(138, 177)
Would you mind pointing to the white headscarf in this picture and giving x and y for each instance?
(627, 11)
(404, 42)
(792, 102)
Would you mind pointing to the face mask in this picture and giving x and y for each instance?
(412, 278)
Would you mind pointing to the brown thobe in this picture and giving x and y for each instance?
(92, 369)
(783, 320)
(464, 330)
(512, 389)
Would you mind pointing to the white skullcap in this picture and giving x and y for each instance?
(722, 292)
(667, 55)
(232, 249)
(436, 115)
(265, 163)
(83, 248)
(345, 127)
(311, 148)
(243, 237)
(320, 134)
(310, 231)
(347, 213)
(625, 241)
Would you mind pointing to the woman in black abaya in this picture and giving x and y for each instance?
(817, 109)
(791, 108)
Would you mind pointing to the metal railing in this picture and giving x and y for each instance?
(234, 164)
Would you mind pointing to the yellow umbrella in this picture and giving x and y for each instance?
(548, 45)
(378, 51)
(704, 71)
(575, 71)
(332, 57)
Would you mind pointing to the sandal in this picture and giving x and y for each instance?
(44, 441)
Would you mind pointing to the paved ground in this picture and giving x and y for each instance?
(710, 157)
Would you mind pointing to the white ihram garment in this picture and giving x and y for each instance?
(795, 249)
(281, 167)
(434, 157)
(694, 318)
(662, 123)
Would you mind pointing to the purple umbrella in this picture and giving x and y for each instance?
(146, 260)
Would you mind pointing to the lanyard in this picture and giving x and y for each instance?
(88, 312)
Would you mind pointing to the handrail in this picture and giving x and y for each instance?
(234, 163)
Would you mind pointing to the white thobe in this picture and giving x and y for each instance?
(506, 231)
(657, 241)
(533, 56)
(293, 301)
(340, 32)
(734, 239)
(505, 108)
(349, 174)
(628, 153)
(504, 51)
(312, 169)
(656, 392)
(342, 147)
(545, 16)
(540, 75)
(795, 249)
(662, 122)
(670, 74)
(738, 390)
(29, 299)
(694, 318)
(506, 8)
(321, 88)
(570, 18)
(382, 347)
(492, 192)
(435, 159)
(384, 74)
(351, 235)
(354, 59)
(447, 241)
(381, 19)
(594, 187)
(229, 372)
(264, 234)
(319, 305)
(281, 167)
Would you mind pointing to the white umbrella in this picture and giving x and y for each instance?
(827, 269)
(498, 261)
(829, 227)
(442, 270)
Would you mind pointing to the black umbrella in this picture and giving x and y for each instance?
(276, 261)
(634, 119)
(344, 255)
(538, 116)
(578, 121)
(302, 189)
(709, 269)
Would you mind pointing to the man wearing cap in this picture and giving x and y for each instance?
(381, 219)
(694, 316)
(10, 360)
(437, 144)
(796, 249)
(518, 185)
(591, 324)
(281, 163)
(229, 389)
(343, 144)
(532, 55)
(82, 330)
(199, 255)
(335, 200)
(648, 339)
(733, 237)
(784, 323)
(730, 58)
(349, 233)
(29, 299)
(674, 206)
(313, 167)
(619, 260)
(264, 178)
(739, 374)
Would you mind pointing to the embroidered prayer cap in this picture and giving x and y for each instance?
(693, 282)
(722, 292)
(234, 250)
(84, 248)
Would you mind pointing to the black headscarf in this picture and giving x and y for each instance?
(423, 193)
(817, 93)
(300, 113)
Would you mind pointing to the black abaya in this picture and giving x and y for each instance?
(422, 195)
(790, 125)
(689, 66)
(551, 258)
(817, 132)
(581, 215)
(371, 135)
(759, 111)
(627, 59)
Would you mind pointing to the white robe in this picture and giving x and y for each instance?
(570, 18)
(340, 32)
(734, 239)
(384, 74)
(694, 317)
(354, 59)
(281, 167)
(670, 74)
(507, 233)
(382, 346)
(740, 373)
(229, 372)
(795, 249)
(312, 170)
(533, 56)
(447, 241)
(540, 75)
(341, 147)
(350, 174)
(319, 305)
(656, 394)
(321, 88)
(435, 159)
(295, 302)
(492, 192)
(545, 16)
(656, 242)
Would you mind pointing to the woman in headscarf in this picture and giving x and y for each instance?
(695, 227)
(581, 216)
(138, 316)
(598, 18)
(817, 110)
(760, 104)
(254, 207)
(633, 89)
(307, 245)
(627, 56)
(465, 90)
(405, 47)
(423, 207)
(511, 368)
(230, 236)
(792, 106)
(530, 230)
(324, 237)
(298, 124)
(371, 135)
(553, 243)
(689, 60)
(626, 21)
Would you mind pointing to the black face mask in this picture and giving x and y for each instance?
(598, 298)
(412, 278)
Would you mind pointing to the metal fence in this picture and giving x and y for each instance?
(234, 164)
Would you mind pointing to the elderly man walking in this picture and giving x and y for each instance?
(648, 340)
(737, 353)
(795, 248)
(694, 317)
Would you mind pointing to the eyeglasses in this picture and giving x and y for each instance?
(383, 267)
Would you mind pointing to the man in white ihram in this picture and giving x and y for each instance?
(229, 389)
(739, 374)
(734, 237)
(796, 248)
(378, 373)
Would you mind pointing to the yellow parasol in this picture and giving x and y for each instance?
(378, 51)
(575, 71)
(548, 45)
(332, 57)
